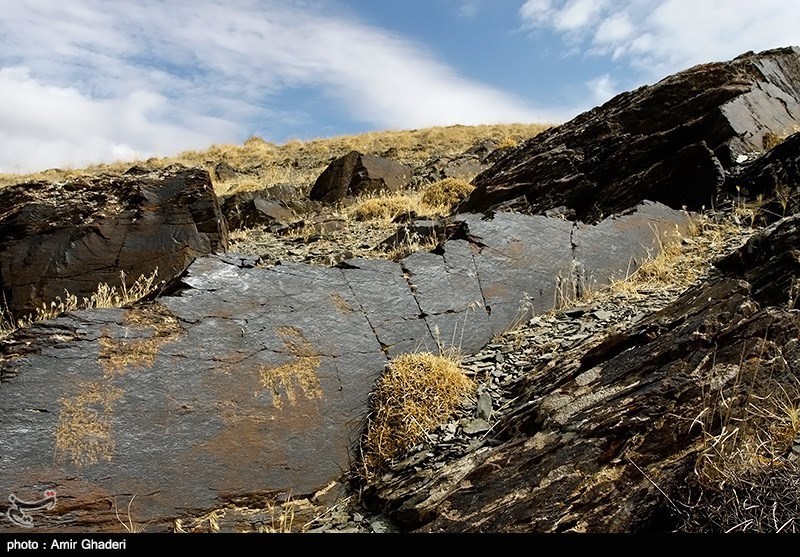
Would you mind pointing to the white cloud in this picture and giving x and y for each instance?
(568, 16)
(659, 37)
(469, 8)
(46, 125)
(602, 88)
(86, 80)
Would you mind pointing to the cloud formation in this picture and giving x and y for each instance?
(90, 80)
(660, 37)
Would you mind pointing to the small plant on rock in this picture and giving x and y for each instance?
(416, 393)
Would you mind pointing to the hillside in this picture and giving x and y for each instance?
(589, 327)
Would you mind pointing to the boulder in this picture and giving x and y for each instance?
(251, 209)
(72, 236)
(774, 176)
(671, 142)
(223, 171)
(356, 174)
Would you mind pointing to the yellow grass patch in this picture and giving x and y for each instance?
(416, 393)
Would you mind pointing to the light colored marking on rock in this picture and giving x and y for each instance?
(84, 434)
(588, 376)
(721, 374)
(563, 471)
(563, 407)
(540, 440)
(116, 355)
(340, 303)
(295, 378)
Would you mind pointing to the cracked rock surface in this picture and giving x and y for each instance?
(256, 378)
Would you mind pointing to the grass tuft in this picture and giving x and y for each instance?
(416, 393)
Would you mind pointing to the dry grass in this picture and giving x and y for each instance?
(130, 525)
(681, 262)
(104, 297)
(748, 479)
(446, 193)
(263, 164)
(416, 393)
(276, 515)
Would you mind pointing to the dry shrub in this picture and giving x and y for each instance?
(382, 208)
(747, 477)
(446, 193)
(104, 297)
(416, 393)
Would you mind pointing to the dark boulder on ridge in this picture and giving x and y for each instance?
(75, 235)
(356, 174)
(673, 142)
(775, 176)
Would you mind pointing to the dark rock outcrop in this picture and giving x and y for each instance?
(356, 174)
(775, 177)
(223, 171)
(250, 209)
(248, 382)
(672, 142)
(605, 438)
(74, 235)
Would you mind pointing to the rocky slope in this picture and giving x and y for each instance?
(616, 388)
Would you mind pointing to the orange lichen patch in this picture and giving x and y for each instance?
(84, 431)
(295, 378)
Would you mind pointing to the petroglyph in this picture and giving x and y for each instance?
(297, 377)
(84, 434)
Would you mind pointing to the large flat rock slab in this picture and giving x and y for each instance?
(249, 382)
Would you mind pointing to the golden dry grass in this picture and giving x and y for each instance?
(446, 193)
(416, 393)
(104, 297)
(300, 162)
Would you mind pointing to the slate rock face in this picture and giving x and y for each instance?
(671, 142)
(250, 209)
(248, 382)
(356, 174)
(604, 438)
(776, 176)
(72, 236)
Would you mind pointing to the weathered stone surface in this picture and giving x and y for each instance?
(615, 247)
(671, 142)
(531, 264)
(770, 262)
(75, 235)
(249, 209)
(223, 171)
(356, 174)
(775, 175)
(246, 381)
(604, 438)
(250, 383)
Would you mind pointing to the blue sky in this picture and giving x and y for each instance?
(85, 81)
